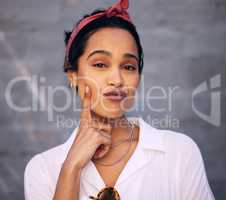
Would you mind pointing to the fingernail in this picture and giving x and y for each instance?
(87, 90)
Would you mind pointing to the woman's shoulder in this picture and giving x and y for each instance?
(50, 160)
(170, 139)
(178, 139)
(41, 172)
(41, 164)
(53, 156)
(178, 144)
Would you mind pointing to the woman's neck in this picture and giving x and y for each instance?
(120, 125)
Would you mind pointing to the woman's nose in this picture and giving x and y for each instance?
(115, 78)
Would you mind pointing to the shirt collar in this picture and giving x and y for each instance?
(150, 137)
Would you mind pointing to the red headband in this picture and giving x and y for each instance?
(118, 9)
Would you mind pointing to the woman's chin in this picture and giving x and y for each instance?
(109, 114)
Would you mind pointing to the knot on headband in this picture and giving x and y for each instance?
(114, 11)
(119, 9)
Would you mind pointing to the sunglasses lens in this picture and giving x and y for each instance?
(108, 194)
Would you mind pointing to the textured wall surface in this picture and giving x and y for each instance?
(184, 45)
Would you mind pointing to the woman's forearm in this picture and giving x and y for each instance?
(68, 184)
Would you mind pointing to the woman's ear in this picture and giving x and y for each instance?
(72, 78)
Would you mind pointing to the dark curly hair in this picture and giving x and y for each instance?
(79, 44)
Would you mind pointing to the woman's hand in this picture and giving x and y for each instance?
(93, 139)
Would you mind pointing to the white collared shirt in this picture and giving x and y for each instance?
(165, 165)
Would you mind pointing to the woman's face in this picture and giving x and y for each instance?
(110, 62)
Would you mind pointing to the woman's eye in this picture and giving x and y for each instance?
(100, 65)
(130, 67)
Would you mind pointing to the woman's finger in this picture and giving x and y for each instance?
(101, 126)
(85, 116)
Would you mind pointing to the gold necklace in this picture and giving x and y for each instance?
(121, 142)
(122, 157)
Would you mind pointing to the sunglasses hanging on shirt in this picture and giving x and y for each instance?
(107, 193)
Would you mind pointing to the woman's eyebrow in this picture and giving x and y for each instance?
(126, 55)
(130, 55)
(99, 51)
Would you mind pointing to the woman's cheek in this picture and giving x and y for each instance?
(127, 103)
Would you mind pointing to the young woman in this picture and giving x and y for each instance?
(110, 156)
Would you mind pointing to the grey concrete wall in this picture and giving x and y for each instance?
(184, 43)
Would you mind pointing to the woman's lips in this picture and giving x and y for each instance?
(115, 95)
